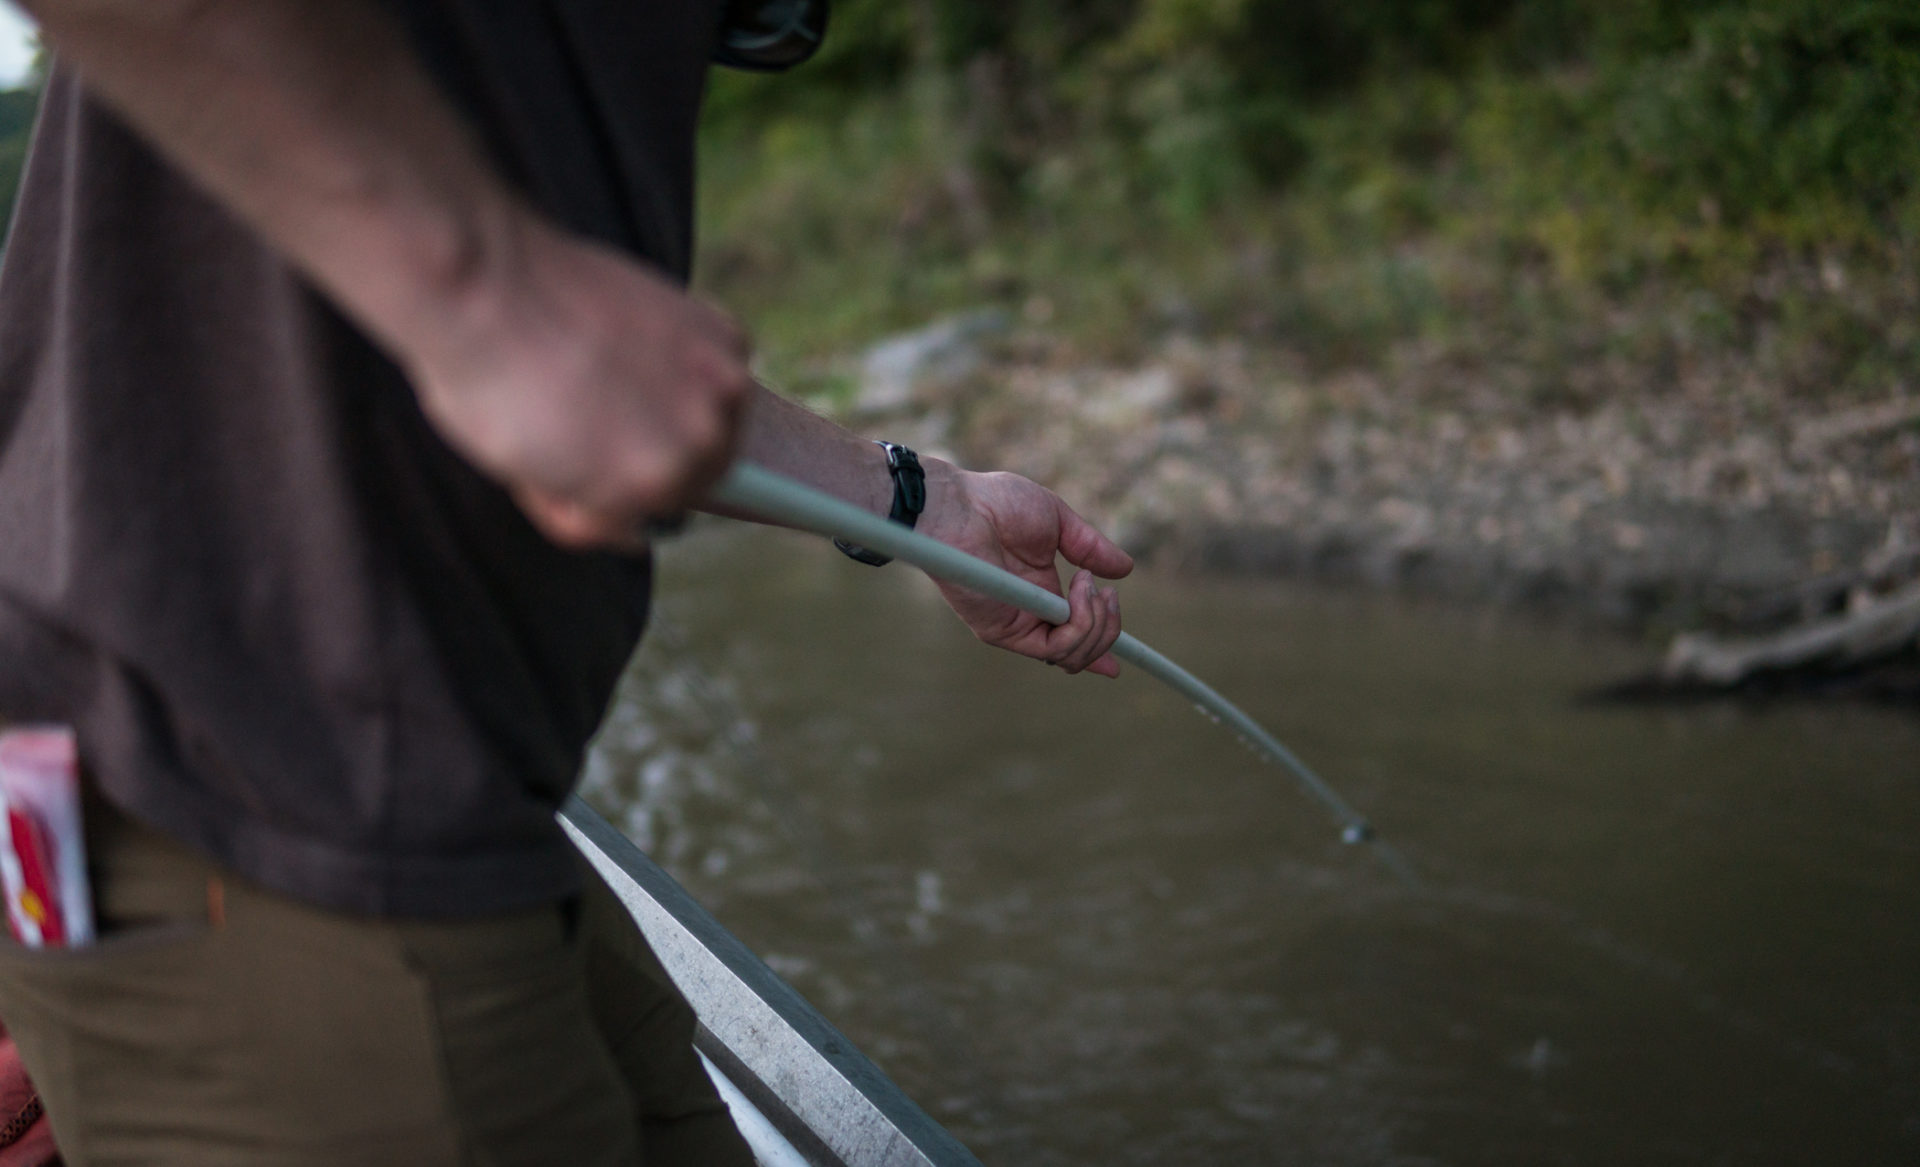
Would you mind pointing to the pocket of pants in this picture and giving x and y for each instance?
(233, 1045)
(151, 973)
(123, 943)
(93, 1020)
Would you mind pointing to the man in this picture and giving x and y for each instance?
(344, 361)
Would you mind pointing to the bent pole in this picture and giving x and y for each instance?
(762, 492)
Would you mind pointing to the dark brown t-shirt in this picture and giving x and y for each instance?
(292, 627)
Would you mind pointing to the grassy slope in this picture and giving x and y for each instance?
(1594, 206)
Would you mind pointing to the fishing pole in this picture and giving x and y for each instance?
(762, 492)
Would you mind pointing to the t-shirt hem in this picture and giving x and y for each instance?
(364, 883)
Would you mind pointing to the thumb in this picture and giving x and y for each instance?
(1084, 546)
(578, 528)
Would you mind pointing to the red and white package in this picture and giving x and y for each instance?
(43, 858)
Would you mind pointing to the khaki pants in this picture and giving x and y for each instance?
(216, 1023)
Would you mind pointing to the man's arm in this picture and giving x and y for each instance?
(595, 391)
(1009, 521)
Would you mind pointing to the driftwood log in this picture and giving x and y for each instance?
(1872, 630)
(1851, 634)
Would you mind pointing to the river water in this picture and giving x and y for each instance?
(1081, 925)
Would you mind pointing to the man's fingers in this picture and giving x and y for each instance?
(1093, 651)
(1106, 629)
(1106, 664)
(1093, 624)
(629, 410)
(571, 525)
(1090, 647)
(660, 481)
(1083, 642)
(1059, 643)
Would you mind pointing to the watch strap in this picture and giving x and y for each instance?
(909, 499)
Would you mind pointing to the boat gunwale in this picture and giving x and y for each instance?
(814, 1085)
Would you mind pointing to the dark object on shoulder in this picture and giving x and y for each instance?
(768, 36)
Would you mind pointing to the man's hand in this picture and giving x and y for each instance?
(1004, 519)
(599, 394)
(1016, 524)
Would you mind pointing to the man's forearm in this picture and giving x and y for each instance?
(311, 120)
(787, 438)
(590, 386)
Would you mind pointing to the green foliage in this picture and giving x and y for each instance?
(1770, 107)
(1342, 176)
(17, 107)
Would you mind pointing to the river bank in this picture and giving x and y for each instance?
(1713, 504)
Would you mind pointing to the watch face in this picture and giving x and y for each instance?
(767, 36)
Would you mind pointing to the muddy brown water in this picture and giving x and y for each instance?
(1081, 925)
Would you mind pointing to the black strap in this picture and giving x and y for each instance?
(18, 1126)
(909, 499)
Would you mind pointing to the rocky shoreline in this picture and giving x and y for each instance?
(1712, 504)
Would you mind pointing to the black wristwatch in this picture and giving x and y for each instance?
(909, 499)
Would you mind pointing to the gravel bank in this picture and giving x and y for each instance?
(1702, 505)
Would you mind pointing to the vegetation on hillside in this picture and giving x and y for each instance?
(1557, 188)
(17, 108)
